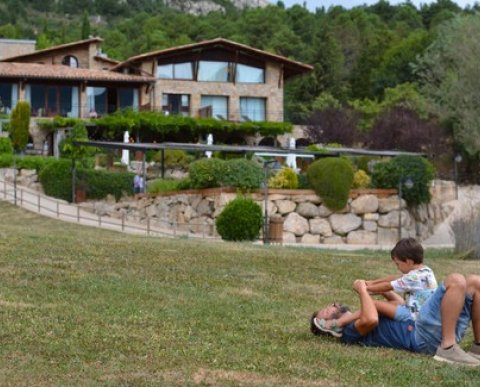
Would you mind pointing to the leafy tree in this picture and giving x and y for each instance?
(19, 125)
(333, 125)
(85, 26)
(449, 75)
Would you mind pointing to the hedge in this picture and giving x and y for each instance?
(240, 220)
(242, 173)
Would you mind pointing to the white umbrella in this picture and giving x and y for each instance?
(292, 157)
(125, 152)
(209, 142)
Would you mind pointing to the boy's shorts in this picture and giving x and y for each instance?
(428, 327)
(402, 313)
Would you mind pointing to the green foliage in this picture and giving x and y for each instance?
(56, 179)
(285, 178)
(173, 158)
(361, 179)
(19, 125)
(420, 170)
(34, 162)
(242, 173)
(331, 178)
(6, 160)
(58, 122)
(207, 173)
(162, 185)
(158, 124)
(6, 145)
(77, 152)
(324, 101)
(240, 220)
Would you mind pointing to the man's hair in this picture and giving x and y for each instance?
(408, 248)
(317, 332)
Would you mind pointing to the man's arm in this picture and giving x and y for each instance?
(368, 319)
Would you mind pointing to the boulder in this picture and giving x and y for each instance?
(307, 210)
(312, 198)
(369, 216)
(389, 204)
(324, 211)
(285, 206)
(365, 204)
(344, 223)
(333, 240)
(289, 237)
(387, 236)
(204, 207)
(296, 224)
(310, 239)
(319, 226)
(370, 225)
(362, 237)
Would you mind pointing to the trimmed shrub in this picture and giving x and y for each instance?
(419, 169)
(34, 162)
(242, 173)
(361, 179)
(285, 178)
(19, 125)
(162, 185)
(303, 182)
(6, 145)
(207, 173)
(331, 178)
(240, 220)
(100, 183)
(56, 179)
(6, 160)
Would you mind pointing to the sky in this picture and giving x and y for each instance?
(312, 4)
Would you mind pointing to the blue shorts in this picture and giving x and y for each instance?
(402, 313)
(428, 327)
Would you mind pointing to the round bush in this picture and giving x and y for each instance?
(285, 178)
(331, 178)
(361, 179)
(207, 173)
(420, 170)
(240, 220)
(242, 173)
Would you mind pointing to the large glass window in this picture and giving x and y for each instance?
(218, 106)
(8, 97)
(213, 71)
(175, 71)
(249, 74)
(128, 98)
(176, 104)
(48, 101)
(96, 101)
(252, 109)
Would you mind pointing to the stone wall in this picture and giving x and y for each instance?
(370, 217)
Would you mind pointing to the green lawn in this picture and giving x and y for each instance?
(82, 306)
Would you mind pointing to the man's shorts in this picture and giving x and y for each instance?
(402, 313)
(428, 327)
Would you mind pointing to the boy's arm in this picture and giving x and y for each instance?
(379, 287)
(388, 278)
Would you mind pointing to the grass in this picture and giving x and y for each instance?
(82, 306)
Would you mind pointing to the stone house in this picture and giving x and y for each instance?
(216, 78)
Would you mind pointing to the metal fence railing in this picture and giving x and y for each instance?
(54, 208)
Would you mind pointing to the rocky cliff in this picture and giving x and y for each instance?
(202, 7)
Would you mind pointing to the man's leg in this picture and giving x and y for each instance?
(452, 305)
(473, 288)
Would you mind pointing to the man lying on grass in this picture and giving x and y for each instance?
(440, 325)
(416, 283)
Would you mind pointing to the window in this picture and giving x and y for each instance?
(8, 97)
(96, 101)
(101, 100)
(217, 104)
(175, 71)
(176, 104)
(48, 101)
(213, 71)
(128, 98)
(70, 61)
(252, 109)
(249, 74)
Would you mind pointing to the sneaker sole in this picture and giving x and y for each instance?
(475, 355)
(444, 360)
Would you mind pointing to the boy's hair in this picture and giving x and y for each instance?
(408, 248)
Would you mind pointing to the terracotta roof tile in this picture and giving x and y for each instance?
(61, 72)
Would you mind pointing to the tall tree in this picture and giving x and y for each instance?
(85, 26)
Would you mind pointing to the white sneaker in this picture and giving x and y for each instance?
(456, 355)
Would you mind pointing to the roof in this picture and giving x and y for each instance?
(105, 59)
(292, 67)
(52, 49)
(62, 72)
